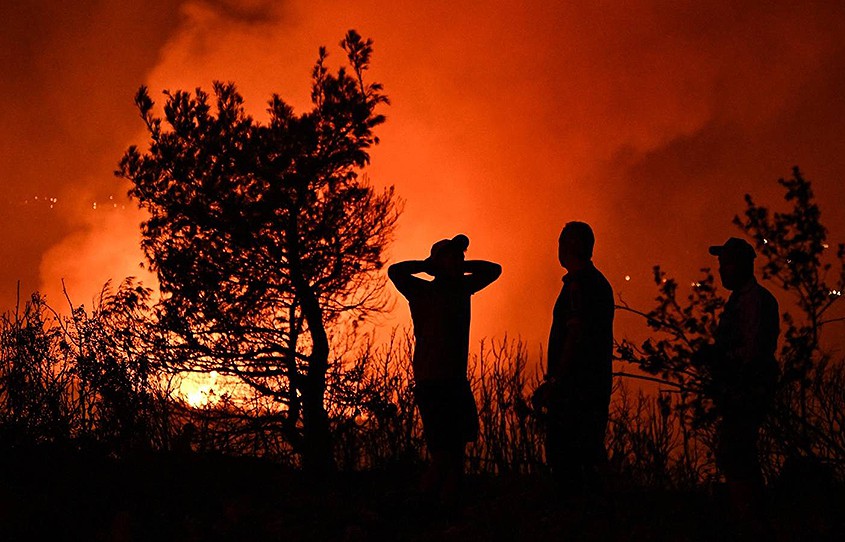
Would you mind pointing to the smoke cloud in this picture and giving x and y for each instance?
(650, 121)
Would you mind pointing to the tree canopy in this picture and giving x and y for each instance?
(265, 234)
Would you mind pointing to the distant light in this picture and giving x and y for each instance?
(765, 241)
(627, 277)
(825, 245)
(95, 205)
(695, 284)
(836, 293)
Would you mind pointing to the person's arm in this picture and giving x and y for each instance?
(574, 335)
(757, 332)
(555, 347)
(562, 353)
(480, 273)
(402, 275)
(760, 328)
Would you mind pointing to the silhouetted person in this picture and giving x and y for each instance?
(440, 310)
(743, 369)
(576, 392)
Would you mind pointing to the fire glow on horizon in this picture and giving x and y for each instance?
(198, 390)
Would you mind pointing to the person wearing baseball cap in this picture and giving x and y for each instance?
(440, 311)
(736, 258)
(744, 372)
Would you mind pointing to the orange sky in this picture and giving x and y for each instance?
(649, 121)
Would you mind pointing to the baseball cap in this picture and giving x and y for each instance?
(458, 244)
(734, 247)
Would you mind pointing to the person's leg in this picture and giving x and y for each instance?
(461, 427)
(449, 419)
(737, 458)
(736, 453)
(453, 475)
(563, 454)
(426, 396)
(595, 453)
(431, 479)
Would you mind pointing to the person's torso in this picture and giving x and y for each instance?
(746, 341)
(750, 317)
(588, 297)
(441, 317)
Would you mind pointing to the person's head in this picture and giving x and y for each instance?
(736, 262)
(575, 244)
(447, 257)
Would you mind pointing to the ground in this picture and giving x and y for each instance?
(83, 497)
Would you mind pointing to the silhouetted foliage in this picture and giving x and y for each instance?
(684, 327)
(34, 381)
(648, 443)
(374, 418)
(794, 247)
(97, 360)
(82, 380)
(795, 256)
(263, 236)
(799, 260)
(379, 424)
(510, 438)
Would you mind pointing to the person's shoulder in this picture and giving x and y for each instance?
(599, 280)
(413, 288)
(765, 294)
(600, 276)
(753, 296)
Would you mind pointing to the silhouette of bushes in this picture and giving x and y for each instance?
(35, 378)
(85, 382)
(81, 380)
(648, 443)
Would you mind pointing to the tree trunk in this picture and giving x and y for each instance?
(317, 447)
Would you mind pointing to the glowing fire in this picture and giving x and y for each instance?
(198, 389)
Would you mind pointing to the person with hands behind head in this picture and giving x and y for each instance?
(440, 311)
